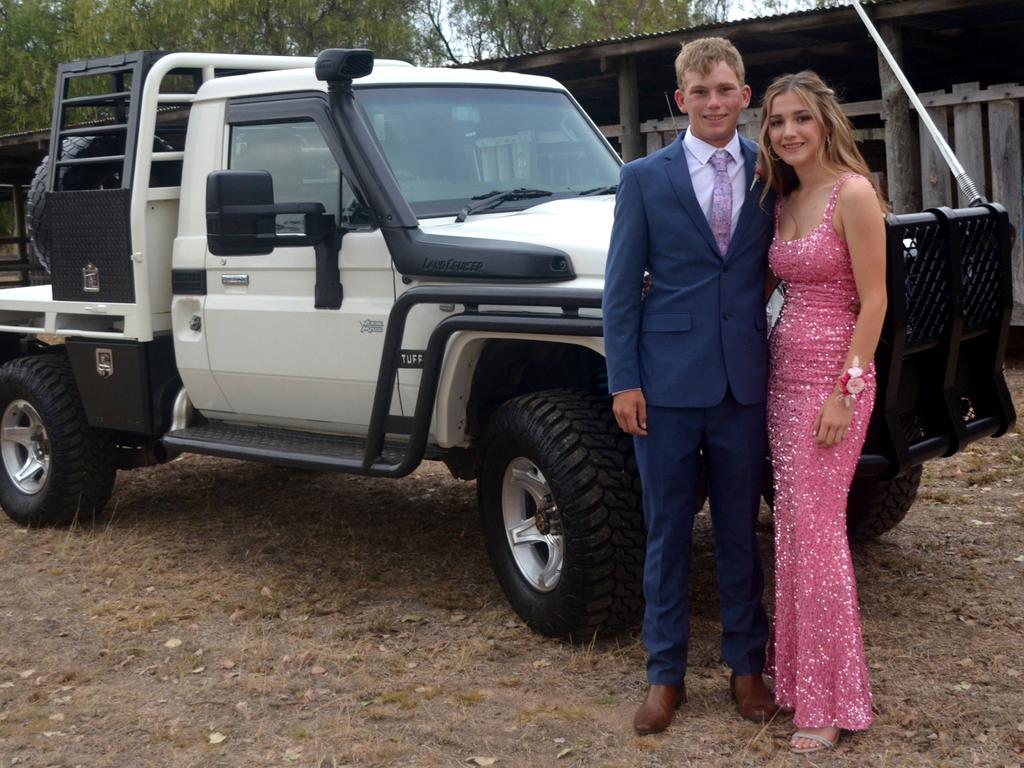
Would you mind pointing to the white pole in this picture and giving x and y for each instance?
(964, 181)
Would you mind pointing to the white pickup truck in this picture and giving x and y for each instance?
(333, 265)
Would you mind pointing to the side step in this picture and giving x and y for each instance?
(309, 450)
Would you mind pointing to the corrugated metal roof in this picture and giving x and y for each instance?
(833, 5)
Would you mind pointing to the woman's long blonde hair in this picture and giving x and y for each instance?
(837, 152)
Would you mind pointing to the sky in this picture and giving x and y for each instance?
(745, 9)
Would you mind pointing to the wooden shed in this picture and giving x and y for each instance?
(962, 56)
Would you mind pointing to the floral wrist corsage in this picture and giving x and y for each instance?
(851, 383)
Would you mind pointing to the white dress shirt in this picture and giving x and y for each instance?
(698, 155)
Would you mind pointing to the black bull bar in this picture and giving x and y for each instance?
(940, 357)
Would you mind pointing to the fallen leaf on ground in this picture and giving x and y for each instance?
(482, 760)
(198, 670)
(266, 592)
(227, 664)
(172, 643)
(27, 674)
(217, 737)
(318, 671)
(564, 753)
(411, 618)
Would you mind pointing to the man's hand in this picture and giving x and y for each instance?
(630, 409)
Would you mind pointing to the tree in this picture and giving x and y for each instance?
(36, 35)
(480, 29)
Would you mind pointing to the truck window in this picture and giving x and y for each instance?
(303, 170)
(448, 145)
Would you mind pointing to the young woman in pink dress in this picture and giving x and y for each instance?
(829, 249)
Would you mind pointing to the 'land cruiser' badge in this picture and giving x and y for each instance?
(104, 363)
(91, 279)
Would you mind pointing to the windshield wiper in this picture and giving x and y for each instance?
(610, 190)
(496, 198)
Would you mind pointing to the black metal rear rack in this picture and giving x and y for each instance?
(125, 75)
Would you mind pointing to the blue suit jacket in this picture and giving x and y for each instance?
(702, 328)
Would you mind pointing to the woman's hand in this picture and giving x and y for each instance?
(832, 421)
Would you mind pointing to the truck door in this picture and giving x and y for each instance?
(277, 359)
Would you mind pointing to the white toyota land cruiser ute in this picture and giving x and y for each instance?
(331, 265)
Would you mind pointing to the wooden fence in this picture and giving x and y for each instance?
(14, 254)
(983, 125)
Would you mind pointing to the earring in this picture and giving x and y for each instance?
(828, 140)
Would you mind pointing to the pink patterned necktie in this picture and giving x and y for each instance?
(721, 200)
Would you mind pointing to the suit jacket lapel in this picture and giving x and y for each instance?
(751, 199)
(679, 176)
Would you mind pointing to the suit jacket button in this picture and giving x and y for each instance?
(726, 316)
(725, 268)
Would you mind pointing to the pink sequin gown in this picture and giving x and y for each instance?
(817, 653)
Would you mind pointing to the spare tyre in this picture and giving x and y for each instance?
(99, 176)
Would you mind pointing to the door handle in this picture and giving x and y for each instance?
(235, 280)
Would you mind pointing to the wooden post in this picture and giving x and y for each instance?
(654, 141)
(968, 137)
(629, 110)
(936, 179)
(901, 153)
(750, 130)
(20, 230)
(1004, 136)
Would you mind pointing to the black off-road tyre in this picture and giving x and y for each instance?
(572, 440)
(873, 506)
(35, 218)
(42, 423)
(76, 178)
(876, 506)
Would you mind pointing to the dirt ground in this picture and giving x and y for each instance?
(233, 614)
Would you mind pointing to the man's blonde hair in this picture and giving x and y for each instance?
(705, 54)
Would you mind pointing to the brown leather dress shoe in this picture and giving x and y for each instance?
(752, 698)
(659, 705)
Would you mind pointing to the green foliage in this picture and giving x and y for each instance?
(478, 29)
(36, 35)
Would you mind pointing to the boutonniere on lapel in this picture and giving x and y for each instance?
(758, 176)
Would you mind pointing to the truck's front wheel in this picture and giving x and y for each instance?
(54, 467)
(560, 505)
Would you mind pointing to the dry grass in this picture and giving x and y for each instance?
(318, 620)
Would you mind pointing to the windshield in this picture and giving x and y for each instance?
(448, 145)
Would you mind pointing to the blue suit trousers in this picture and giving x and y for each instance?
(732, 439)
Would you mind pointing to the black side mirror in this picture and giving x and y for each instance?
(241, 220)
(241, 216)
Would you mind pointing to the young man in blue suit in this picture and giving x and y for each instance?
(688, 368)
